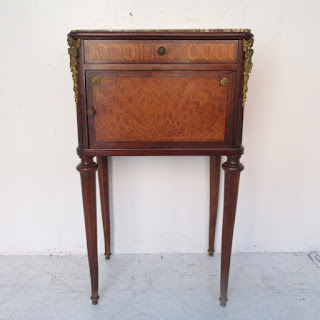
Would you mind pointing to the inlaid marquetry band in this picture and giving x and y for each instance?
(112, 51)
(248, 53)
(73, 52)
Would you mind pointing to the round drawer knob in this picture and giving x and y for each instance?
(161, 50)
(91, 112)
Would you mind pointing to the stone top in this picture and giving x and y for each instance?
(162, 30)
(218, 34)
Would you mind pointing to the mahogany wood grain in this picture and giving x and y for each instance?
(103, 175)
(83, 135)
(87, 169)
(161, 152)
(232, 168)
(176, 51)
(238, 110)
(215, 168)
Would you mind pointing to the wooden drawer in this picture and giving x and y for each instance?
(161, 51)
(159, 108)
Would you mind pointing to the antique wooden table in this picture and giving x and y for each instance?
(160, 92)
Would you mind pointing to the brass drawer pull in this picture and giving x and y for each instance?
(161, 51)
(91, 112)
(223, 81)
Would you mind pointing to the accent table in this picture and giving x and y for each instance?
(160, 92)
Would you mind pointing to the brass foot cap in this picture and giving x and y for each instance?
(94, 300)
(107, 255)
(211, 253)
(223, 302)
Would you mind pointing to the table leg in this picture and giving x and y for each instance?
(232, 169)
(215, 162)
(104, 198)
(87, 169)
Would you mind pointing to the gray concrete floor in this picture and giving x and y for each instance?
(275, 286)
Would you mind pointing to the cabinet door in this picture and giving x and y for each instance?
(160, 109)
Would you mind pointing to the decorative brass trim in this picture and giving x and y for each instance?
(95, 80)
(248, 53)
(224, 81)
(73, 52)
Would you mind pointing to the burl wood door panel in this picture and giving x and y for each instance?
(181, 51)
(139, 109)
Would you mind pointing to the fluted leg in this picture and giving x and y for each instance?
(215, 162)
(232, 169)
(87, 169)
(104, 198)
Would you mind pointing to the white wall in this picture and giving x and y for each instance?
(159, 204)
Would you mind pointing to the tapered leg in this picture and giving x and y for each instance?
(232, 169)
(87, 169)
(215, 162)
(104, 198)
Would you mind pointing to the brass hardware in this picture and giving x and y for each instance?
(73, 52)
(224, 81)
(96, 80)
(161, 51)
(248, 53)
(91, 112)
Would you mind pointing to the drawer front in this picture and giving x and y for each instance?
(137, 109)
(165, 51)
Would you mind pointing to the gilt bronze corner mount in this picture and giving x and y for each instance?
(74, 54)
(248, 53)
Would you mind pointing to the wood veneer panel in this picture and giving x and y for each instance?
(196, 51)
(160, 106)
